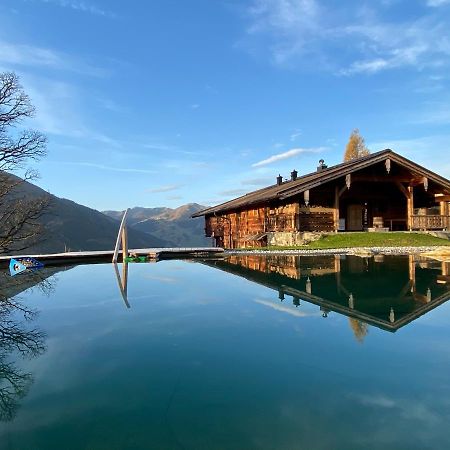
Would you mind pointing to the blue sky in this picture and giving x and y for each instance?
(166, 102)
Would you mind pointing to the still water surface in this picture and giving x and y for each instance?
(247, 353)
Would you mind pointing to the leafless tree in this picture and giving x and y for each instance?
(19, 214)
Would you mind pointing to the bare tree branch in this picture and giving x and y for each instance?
(20, 227)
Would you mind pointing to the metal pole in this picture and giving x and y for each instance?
(120, 237)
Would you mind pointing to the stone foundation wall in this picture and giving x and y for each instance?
(291, 238)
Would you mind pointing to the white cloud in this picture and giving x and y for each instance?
(351, 40)
(81, 6)
(286, 155)
(167, 188)
(435, 3)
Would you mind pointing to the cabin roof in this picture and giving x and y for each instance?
(290, 188)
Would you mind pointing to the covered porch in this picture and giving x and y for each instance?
(384, 197)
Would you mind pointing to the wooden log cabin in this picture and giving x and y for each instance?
(382, 191)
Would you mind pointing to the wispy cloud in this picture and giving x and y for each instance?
(293, 137)
(80, 6)
(105, 167)
(24, 55)
(195, 106)
(233, 192)
(395, 58)
(263, 181)
(167, 188)
(437, 113)
(353, 40)
(425, 150)
(286, 155)
(286, 309)
(59, 112)
(435, 3)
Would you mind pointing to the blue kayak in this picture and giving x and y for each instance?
(20, 265)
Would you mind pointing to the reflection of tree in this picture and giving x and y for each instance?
(17, 339)
(360, 329)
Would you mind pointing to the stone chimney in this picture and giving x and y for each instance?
(294, 174)
(279, 179)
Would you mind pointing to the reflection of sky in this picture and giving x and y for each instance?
(203, 362)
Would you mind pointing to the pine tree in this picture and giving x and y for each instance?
(356, 148)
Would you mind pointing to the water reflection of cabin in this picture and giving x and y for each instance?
(384, 291)
(382, 190)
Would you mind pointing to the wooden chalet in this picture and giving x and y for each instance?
(382, 191)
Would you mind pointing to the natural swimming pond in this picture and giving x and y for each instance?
(248, 352)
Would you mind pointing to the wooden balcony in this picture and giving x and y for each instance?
(430, 222)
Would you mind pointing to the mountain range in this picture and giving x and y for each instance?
(71, 226)
(173, 226)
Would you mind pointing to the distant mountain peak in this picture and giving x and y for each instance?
(172, 224)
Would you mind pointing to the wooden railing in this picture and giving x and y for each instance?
(435, 222)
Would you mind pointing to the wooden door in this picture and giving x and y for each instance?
(354, 218)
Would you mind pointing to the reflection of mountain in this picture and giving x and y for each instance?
(174, 226)
(18, 339)
(387, 292)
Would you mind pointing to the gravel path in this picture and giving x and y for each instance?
(341, 251)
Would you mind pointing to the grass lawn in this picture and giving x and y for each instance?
(391, 239)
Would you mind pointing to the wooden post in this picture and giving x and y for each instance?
(124, 243)
(444, 210)
(121, 236)
(410, 207)
(445, 267)
(336, 209)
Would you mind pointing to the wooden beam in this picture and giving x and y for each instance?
(342, 190)
(403, 189)
(441, 198)
(420, 180)
(385, 179)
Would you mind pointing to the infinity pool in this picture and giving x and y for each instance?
(249, 352)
